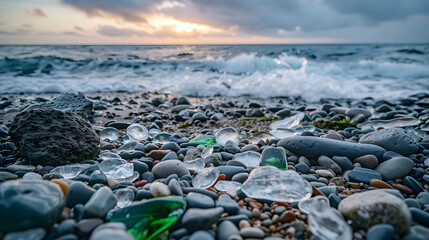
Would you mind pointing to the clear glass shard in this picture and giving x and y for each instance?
(109, 155)
(130, 145)
(196, 164)
(328, 224)
(153, 132)
(288, 122)
(117, 169)
(256, 137)
(207, 151)
(137, 132)
(109, 134)
(250, 159)
(205, 178)
(125, 197)
(227, 134)
(276, 185)
(71, 170)
(230, 187)
(313, 204)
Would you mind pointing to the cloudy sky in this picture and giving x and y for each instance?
(212, 21)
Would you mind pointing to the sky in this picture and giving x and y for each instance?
(213, 21)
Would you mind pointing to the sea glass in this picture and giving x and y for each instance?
(137, 132)
(70, 171)
(207, 151)
(251, 159)
(109, 155)
(325, 222)
(153, 132)
(205, 178)
(273, 156)
(109, 134)
(196, 164)
(256, 137)
(273, 184)
(288, 122)
(162, 137)
(204, 140)
(125, 197)
(230, 187)
(130, 145)
(227, 134)
(118, 169)
(146, 220)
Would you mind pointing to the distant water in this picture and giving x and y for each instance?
(312, 71)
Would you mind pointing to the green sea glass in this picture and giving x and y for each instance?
(275, 157)
(205, 140)
(148, 219)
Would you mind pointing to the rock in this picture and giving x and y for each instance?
(198, 235)
(420, 216)
(229, 205)
(100, 203)
(97, 177)
(226, 229)
(324, 173)
(417, 233)
(330, 164)
(302, 168)
(198, 200)
(369, 208)
(343, 162)
(367, 161)
(395, 168)
(74, 102)
(413, 184)
(166, 168)
(363, 175)
(26, 204)
(356, 111)
(392, 139)
(53, 137)
(380, 232)
(86, 226)
(303, 146)
(158, 189)
(16, 168)
(8, 175)
(175, 187)
(379, 184)
(251, 232)
(111, 234)
(200, 219)
(30, 234)
(78, 193)
(183, 101)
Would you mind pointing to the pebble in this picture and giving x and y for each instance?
(86, 226)
(412, 184)
(226, 229)
(420, 216)
(166, 168)
(200, 219)
(199, 235)
(392, 139)
(367, 161)
(252, 232)
(100, 203)
(330, 164)
(395, 168)
(78, 193)
(198, 200)
(158, 189)
(380, 232)
(324, 173)
(379, 184)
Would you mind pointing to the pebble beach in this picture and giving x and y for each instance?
(151, 165)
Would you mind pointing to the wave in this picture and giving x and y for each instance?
(243, 74)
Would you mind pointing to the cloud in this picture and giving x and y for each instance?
(79, 29)
(18, 31)
(37, 12)
(261, 18)
(112, 31)
(27, 25)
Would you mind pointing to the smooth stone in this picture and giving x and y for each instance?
(68, 237)
(302, 168)
(158, 189)
(86, 226)
(208, 193)
(199, 235)
(192, 154)
(392, 139)
(198, 200)
(15, 168)
(324, 173)
(100, 203)
(379, 184)
(417, 233)
(166, 168)
(420, 216)
(395, 168)
(423, 198)
(367, 161)
(413, 184)
(252, 232)
(170, 156)
(226, 229)
(240, 177)
(380, 232)
(139, 166)
(411, 202)
(78, 193)
(26, 204)
(356, 111)
(8, 175)
(229, 205)
(97, 177)
(303, 146)
(111, 234)
(369, 208)
(231, 147)
(157, 154)
(175, 187)
(199, 219)
(170, 146)
(363, 175)
(343, 162)
(330, 164)
(30, 234)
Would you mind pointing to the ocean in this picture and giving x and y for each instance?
(313, 72)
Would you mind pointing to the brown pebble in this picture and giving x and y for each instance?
(317, 192)
(287, 216)
(338, 181)
(354, 185)
(65, 214)
(367, 161)
(63, 185)
(140, 183)
(379, 184)
(157, 154)
(402, 188)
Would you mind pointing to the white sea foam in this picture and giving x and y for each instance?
(242, 74)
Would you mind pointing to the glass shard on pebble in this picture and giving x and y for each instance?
(273, 156)
(130, 145)
(205, 178)
(227, 134)
(109, 155)
(118, 169)
(196, 164)
(325, 222)
(153, 132)
(250, 158)
(125, 197)
(146, 220)
(204, 140)
(109, 134)
(137, 132)
(230, 187)
(71, 170)
(288, 122)
(276, 185)
(207, 152)
(162, 137)
(256, 137)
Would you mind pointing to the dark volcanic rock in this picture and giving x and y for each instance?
(53, 137)
(75, 102)
(304, 146)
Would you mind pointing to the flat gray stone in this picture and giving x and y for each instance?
(166, 168)
(200, 219)
(100, 203)
(392, 139)
(395, 168)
